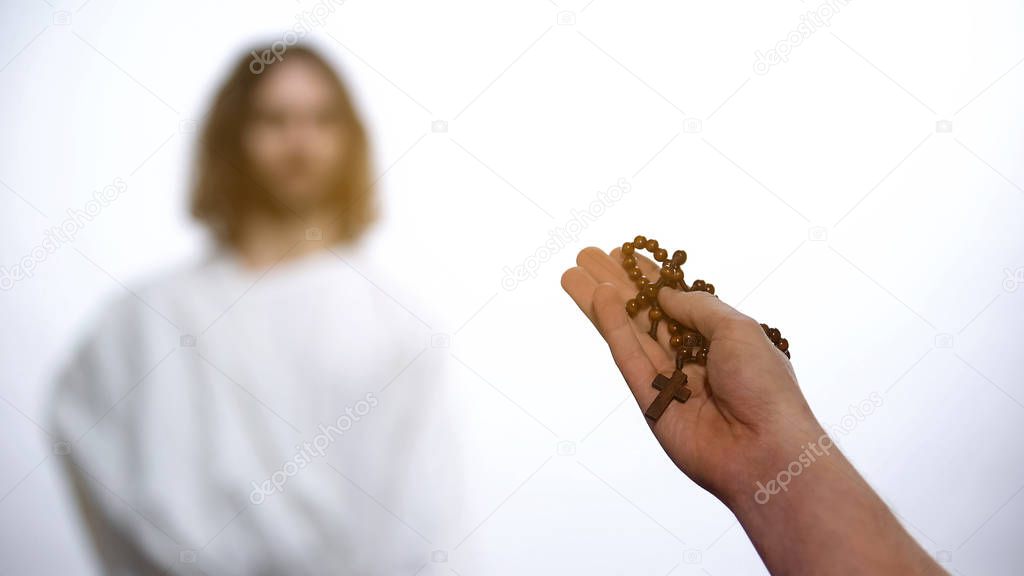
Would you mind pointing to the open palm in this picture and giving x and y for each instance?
(746, 412)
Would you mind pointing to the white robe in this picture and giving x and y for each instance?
(239, 422)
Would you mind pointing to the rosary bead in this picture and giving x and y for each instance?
(691, 346)
(632, 306)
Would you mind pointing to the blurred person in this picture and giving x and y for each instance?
(270, 410)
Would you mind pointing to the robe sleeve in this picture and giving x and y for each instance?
(95, 449)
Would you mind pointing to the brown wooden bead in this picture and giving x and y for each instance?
(690, 346)
(632, 306)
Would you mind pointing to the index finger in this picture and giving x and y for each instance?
(615, 326)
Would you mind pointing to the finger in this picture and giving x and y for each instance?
(580, 286)
(618, 332)
(603, 268)
(699, 310)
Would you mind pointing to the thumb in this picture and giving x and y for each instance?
(701, 311)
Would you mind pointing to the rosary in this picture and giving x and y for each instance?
(690, 346)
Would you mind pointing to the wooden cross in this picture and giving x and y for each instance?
(673, 388)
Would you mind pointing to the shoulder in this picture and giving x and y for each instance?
(125, 332)
(150, 307)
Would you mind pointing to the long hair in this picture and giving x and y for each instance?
(224, 190)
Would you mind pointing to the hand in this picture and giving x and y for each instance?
(745, 422)
(746, 417)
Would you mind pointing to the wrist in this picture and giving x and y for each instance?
(797, 479)
(777, 458)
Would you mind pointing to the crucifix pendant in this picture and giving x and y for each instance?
(670, 389)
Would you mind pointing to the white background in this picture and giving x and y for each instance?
(819, 197)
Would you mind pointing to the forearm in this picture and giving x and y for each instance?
(827, 520)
